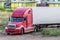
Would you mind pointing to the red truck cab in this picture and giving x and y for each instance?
(20, 21)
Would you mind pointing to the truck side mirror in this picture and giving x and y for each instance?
(25, 19)
(9, 18)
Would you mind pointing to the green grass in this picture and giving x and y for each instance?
(4, 16)
(51, 32)
(2, 5)
(1, 28)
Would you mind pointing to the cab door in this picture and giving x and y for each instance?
(29, 21)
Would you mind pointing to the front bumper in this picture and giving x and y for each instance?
(13, 31)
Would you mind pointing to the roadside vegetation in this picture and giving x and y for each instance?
(4, 18)
(51, 31)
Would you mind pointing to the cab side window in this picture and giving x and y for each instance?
(29, 12)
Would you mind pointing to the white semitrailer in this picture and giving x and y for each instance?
(45, 16)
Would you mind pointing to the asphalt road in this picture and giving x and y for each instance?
(28, 36)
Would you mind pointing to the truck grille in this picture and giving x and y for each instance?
(11, 26)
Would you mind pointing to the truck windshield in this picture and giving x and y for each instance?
(13, 19)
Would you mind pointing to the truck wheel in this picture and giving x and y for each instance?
(36, 29)
(22, 31)
(8, 33)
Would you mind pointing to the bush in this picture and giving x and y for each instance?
(51, 31)
(1, 28)
(4, 18)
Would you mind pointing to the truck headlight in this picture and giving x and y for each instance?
(6, 27)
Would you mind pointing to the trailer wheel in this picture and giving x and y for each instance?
(22, 31)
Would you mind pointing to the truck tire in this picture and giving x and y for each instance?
(22, 31)
(8, 33)
(36, 29)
